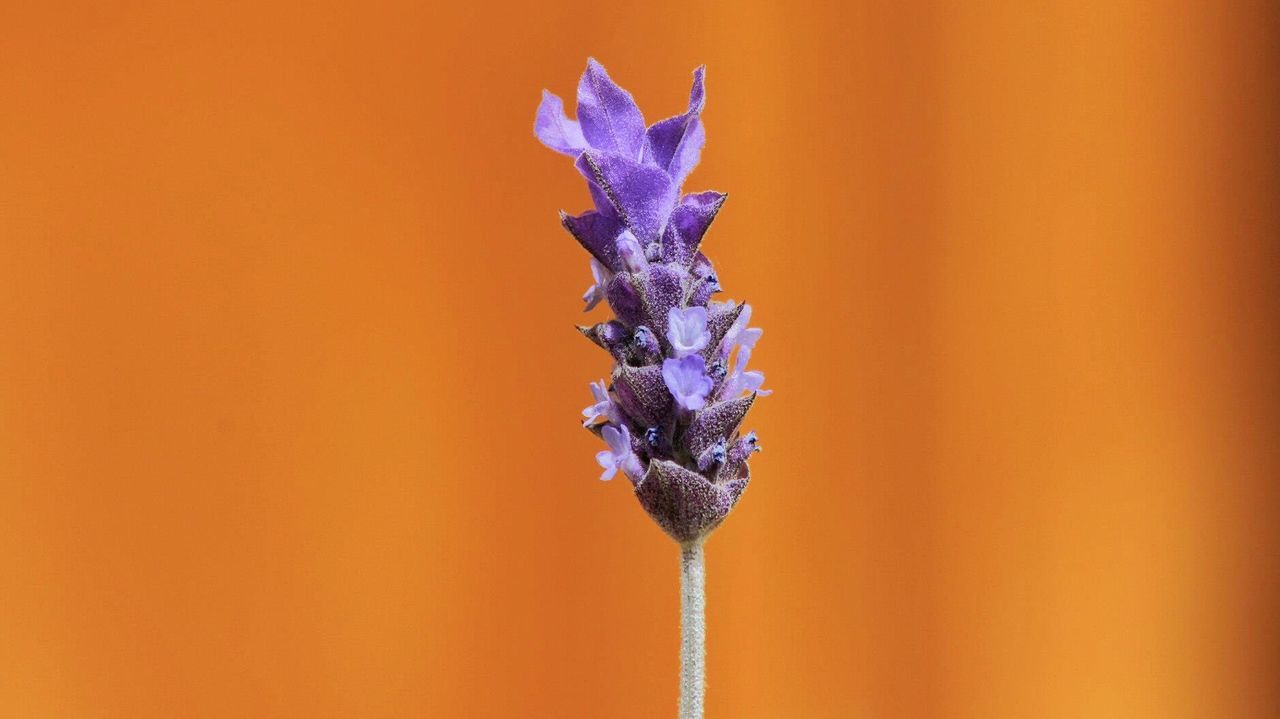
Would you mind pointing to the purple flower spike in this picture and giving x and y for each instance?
(687, 381)
(687, 330)
(680, 387)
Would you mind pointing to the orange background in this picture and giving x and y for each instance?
(289, 385)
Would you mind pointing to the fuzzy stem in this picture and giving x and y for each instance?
(693, 630)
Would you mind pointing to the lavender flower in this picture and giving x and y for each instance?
(602, 408)
(672, 409)
(687, 381)
(595, 292)
(619, 456)
(671, 412)
(740, 379)
(687, 330)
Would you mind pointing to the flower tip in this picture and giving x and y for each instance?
(594, 67)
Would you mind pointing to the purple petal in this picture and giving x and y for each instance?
(689, 222)
(596, 233)
(740, 379)
(599, 391)
(675, 144)
(686, 378)
(601, 407)
(698, 92)
(555, 129)
(599, 272)
(688, 152)
(605, 459)
(609, 117)
(687, 330)
(642, 196)
(600, 410)
(618, 440)
(752, 381)
(666, 138)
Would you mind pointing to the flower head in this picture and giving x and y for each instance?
(672, 410)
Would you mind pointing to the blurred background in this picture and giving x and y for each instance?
(289, 386)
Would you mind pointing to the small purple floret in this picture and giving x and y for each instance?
(687, 330)
(619, 456)
(742, 380)
(633, 257)
(602, 408)
(687, 381)
(595, 292)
